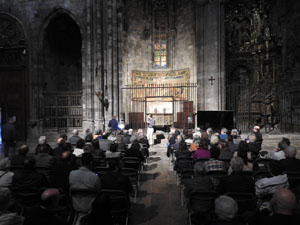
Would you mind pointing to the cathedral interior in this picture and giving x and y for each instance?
(74, 64)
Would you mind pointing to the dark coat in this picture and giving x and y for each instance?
(236, 182)
(116, 181)
(290, 165)
(29, 179)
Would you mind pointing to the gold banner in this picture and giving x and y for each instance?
(161, 84)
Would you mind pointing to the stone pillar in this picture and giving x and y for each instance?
(210, 37)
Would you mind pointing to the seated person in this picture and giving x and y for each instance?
(84, 179)
(268, 185)
(290, 163)
(51, 211)
(282, 205)
(121, 143)
(278, 153)
(5, 175)
(243, 152)
(78, 151)
(44, 159)
(6, 217)
(223, 136)
(96, 149)
(213, 164)
(202, 151)
(29, 178)
(134, 151)
(112, 153)
(254, 146)
(226, 210)
(225, 151)
(115, 180)
(214, 140)
(75, 137)
(43, 141)
(194, 145)
(18, 160)
(237, 181)
(199, 182)
(182, 151)
(61, 170)
(104, 143)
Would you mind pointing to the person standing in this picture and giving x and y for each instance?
(150, 130)
(113, 124)
(9, 137)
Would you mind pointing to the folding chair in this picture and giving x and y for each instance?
(101, 170)
(26, 199)
(202, 160)
(186, 174)
(201, 203)
(82, 200)
(120, 205)
(294, 179)
(134, 179)
(245, 201)
(261, 164)
(145, 152)
(181, 164)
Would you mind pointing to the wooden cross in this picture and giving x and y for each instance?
(211, 80)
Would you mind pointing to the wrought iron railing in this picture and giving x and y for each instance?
(62, 109)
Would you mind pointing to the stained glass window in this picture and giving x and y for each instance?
(160, 39)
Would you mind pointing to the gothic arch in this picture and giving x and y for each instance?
(13, 72)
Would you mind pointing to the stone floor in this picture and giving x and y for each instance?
(158, 199)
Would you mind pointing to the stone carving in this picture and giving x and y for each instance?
(10, 33)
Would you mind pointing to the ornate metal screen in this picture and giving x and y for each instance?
(62, 109)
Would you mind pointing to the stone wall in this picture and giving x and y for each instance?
(138, 46)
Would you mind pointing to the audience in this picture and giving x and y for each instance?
(226, 210)
(5, 175)
(104, 143)
(237, 181)
(75, 137)
(78, 151)
(7, 217)
(18, 160)
(135, 151)
(213, 164)
(112, 153)
(202, 151)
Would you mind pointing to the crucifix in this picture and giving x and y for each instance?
(211, 80)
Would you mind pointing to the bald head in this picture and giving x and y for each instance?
(283, 201)
(290, 152)
(66, 155)
(50, 198)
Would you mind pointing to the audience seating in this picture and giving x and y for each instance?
(294, 179)
(82, 200)
(26, 199)
(245, 201)
(182, 164)
(201, 203)
(120, 205)
(186, 174)
(134, 179)
(261, 164)
(101, 170)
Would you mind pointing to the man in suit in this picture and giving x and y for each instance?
(237, 181)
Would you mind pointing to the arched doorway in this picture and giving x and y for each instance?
(13, 75)
(62, 73)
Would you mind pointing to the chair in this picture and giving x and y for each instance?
(132, 162)
(182, 164)
(216, 173)
(201, 203)
(134, 179)
(44, 169)
(261, 164)
(145, 152)
(113, 159)
(82, 200)
(201, 160)
(186, 174)
(294, 179)
(101, 170)
(99, 161)
(261, 174)
(245, 201)
(26, 199)
(120, 205)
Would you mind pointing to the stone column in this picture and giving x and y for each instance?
(210, 38)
